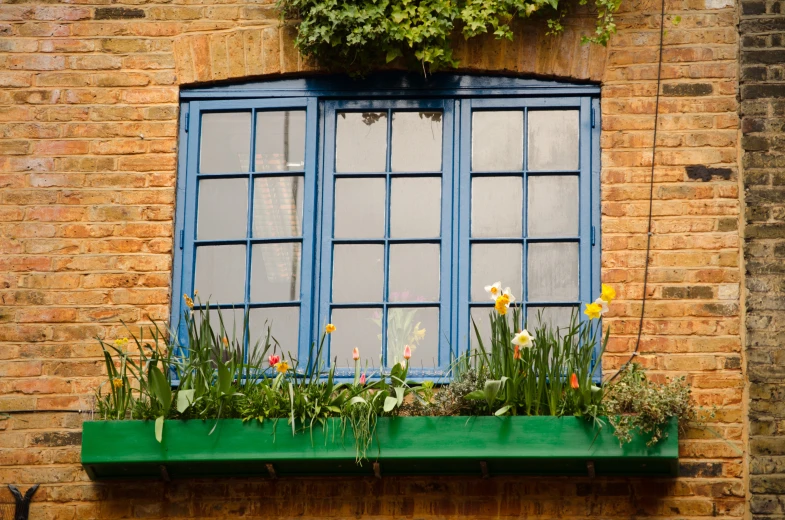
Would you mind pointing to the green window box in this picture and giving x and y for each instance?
(403, 446)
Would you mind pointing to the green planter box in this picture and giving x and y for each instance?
(404, 446)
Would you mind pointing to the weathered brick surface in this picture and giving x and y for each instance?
(762, 88)
(88, 140)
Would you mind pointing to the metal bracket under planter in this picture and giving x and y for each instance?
(482, 446)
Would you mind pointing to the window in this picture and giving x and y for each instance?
(385, 207)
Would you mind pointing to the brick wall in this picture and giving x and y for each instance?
(88, 126)
(762, 32)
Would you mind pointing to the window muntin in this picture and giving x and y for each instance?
(569, 190)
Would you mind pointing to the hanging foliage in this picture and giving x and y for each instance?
(359, 35)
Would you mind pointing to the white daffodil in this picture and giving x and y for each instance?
(494, 290)
(523, 339)
(508, 294)
(603, 304)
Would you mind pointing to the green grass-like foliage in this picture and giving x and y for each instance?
(359, 35)
(553, 374)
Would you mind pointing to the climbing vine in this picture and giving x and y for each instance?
(358, 35)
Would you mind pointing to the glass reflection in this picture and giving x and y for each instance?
(361, 142)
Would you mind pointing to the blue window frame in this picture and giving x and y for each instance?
(385, 206)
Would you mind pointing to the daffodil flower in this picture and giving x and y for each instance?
(282, 366)
(502, 304)
(523, 339)
(494, 290)
(593, 311)
(329, 328)
(508, 294)
(117, 382)
(602, 303)
(188, 301)
(608, 293)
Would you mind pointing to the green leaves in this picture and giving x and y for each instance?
(184, 399)
(359, 36)
(160, 388)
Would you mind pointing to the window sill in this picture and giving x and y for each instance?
(409, 446)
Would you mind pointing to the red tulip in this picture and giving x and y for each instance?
(517, 352)
(574, 381)
(407, 352)
(274, 359)
(362, 379)
(355, 354)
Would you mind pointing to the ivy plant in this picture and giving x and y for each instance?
(359, 35)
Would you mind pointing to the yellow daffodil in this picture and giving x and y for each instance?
(121, 342)
(502, 304)
(188, 301)
(117, 382)
(494, 290)
(523, 339)
(225, 341)
(282, 366)
(593, 310)
(608, 293)
(603, 304)
(329, 328)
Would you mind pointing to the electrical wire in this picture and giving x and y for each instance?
(651, 196)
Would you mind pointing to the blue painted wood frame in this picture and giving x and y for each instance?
(463, 92)
(327, 185)
(185, 251)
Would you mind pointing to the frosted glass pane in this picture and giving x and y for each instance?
(415, 207)
(220, 273)
(497, 141)
(418, 328)
(497, 207)
(225, 142)
(539, 317)
(553, 140)
(553, 206)
(284, 325)
(360, 328)
(480, 315)
(275, 272)
(278, 207)
(232, 321)
(280, 140)
(553, 272)
(361, 142)
(416, 141)
(496, 262)
(223, 209)
(359, 208)
(414, 272)
(358, 273)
